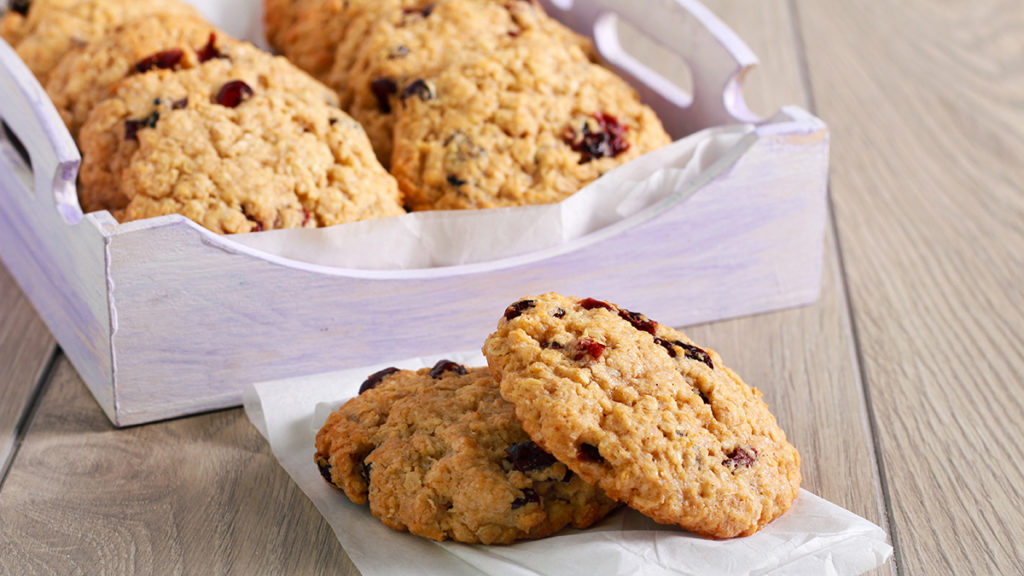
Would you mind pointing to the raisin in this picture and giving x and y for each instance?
(20, 6)
(588, 347)
(325, 468)
(365, 470)
(425, 12)
(700, 393)
(695, 353)
(163, 60)
(383, 89)
(132, 127)
(518, 308)
(526, 456)
(179, 104)
(443, 366)
(590, 304)
(559, 313)
(529, 495)
(589, 453)
(374, 379)
(420, 88)
(639, 321)
(608, 141)
(210, 50)
(455, 181)
(740, 457)
(398, 52)
(233, 93)
(552, 345)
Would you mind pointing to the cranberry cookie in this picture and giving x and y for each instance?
(241, 143)
(43, 31)
(530, 123)
(438, 453)
(84, 76)
(639, 410)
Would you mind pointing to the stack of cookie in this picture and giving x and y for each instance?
(583, 405)
(471, 103)
(173, 116)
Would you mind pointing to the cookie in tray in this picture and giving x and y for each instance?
(84, 76)
(530, 123)
(376, 70)
(641, 411)
(437, 452)
(43, 31)
(242, 142)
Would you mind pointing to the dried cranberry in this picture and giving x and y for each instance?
(526, 456)
(518, 308)
(132, 127)
(383, 89)
(374, 379)
(443, 366)
(740, 457)
(639, 321)
(590, 304)
(420, 88)
(210, 50)
(163, 60)
(589, 453)
(233, 93)
(325, 468)
(608, 141)
(20, 6)
(455, 181)
(529, 495)
(306, 217)
(695, 353)
(666, 345)
(588, 347)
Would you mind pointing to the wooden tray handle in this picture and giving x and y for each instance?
(718, 59)
(28, 113)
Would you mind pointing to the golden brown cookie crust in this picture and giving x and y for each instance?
(636, 408)
(438, 453)
(283, 157)
(529, 124)
(84, 77)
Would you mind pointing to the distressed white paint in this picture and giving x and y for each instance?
(163, 318)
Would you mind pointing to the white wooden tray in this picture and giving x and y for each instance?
(163, 318)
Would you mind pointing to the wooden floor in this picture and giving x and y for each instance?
(903, 386)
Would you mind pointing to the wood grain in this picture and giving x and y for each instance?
(25, 350)
(202, 495)
(924, 101)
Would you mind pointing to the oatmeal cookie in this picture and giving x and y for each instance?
(239, 144)
(43, 31)
(404, 47)
(641, 411)
(531, 123)
(84, 76)
(438, 453)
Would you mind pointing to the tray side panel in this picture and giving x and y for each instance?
(197, 322)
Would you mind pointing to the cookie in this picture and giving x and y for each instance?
(241, 143)
(43, 31)
(438, 453)
(84, 76)
(403, 47)
(531, 123)
(639, 410)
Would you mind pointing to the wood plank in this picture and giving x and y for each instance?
(928, 133)
(802, 359)
(202, 495)
(26, 347)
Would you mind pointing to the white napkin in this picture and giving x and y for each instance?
(814, 538)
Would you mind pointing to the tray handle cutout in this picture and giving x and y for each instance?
(29, 114)
(717, 58)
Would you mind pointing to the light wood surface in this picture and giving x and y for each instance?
(901, 386)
